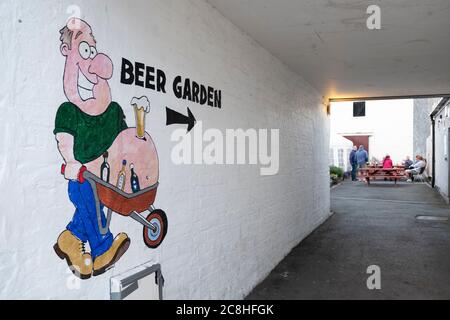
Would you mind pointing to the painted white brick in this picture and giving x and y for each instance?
(228, 226)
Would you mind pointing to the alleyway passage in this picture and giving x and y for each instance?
(371, 225)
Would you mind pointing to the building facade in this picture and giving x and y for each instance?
(441, 116)
(340, 149)
(382, 126)
(422, 133)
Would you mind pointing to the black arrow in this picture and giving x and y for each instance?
(173, 117)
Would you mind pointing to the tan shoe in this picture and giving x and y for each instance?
(71, 248)
(106, 260)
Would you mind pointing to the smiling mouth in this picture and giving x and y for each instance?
(85, 87)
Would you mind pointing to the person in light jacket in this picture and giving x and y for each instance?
(418, 165)
(361, 157)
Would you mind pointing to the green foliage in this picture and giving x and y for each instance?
(338, 172)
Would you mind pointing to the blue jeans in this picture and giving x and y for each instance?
(84, 223)
(354, 170)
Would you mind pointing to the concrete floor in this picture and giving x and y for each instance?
(373, 225)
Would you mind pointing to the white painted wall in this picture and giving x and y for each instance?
(442, 125)
(218, 244)
(388, 122)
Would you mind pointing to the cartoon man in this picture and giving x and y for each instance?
(85, 127)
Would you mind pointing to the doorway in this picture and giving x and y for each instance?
(360, 140)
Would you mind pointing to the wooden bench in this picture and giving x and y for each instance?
(387, 177)
(374, 173)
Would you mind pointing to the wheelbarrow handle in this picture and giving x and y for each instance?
(80, 177)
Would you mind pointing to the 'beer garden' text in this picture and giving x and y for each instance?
(155, 79)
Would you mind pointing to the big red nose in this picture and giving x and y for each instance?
(102, 66)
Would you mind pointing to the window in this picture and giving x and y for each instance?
(331, 157)
(359, 109)
(341, 158)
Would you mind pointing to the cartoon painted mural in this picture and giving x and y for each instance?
(108, 165)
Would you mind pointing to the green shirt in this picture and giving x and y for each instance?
(93, 135)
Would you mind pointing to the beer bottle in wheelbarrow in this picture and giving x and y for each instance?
(122, 176)
(105, 169)
(134, 180)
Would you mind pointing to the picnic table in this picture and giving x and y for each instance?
(378, 172)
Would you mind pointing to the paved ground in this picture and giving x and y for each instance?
(373, 225)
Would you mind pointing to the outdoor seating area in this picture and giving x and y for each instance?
(374, 172)
(364, 171)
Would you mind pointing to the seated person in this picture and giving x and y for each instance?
(387, 162)
(414, 169)
(407, 162)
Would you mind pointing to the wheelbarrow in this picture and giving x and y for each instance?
(134, 205)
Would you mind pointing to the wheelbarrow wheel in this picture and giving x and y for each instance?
(158, 219)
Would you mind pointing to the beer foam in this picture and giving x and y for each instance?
(141, 102)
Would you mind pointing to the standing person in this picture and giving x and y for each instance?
(353, 162)
(387, 162)
(361, 157)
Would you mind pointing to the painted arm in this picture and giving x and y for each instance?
(65, 147)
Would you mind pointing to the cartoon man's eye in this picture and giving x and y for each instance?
(93, 52)
(85, 50)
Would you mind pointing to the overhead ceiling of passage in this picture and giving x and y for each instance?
(328, 43)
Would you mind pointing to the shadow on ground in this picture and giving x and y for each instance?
(371, 225)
